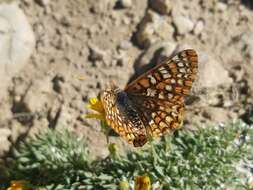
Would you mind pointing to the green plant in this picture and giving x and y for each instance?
(201, 159)
(51, 157)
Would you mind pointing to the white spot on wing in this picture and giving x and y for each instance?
(164, 71)
(180, 64)
(152, 79)
(173, 81)
(167, 75)
(161, 69)
(151, 122)
(182, 70)
(161, 95)
(168, 87)
(179, 81)
(179, 75)
(151, 92)
(170, 95)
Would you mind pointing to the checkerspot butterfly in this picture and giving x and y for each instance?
(153, 104)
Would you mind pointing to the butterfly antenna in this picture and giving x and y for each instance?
(112, 85)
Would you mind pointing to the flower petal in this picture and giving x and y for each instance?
(95, 116)
(93, 101)
(96, 105)
(142, 183)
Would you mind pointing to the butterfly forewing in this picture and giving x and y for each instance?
(168, 80)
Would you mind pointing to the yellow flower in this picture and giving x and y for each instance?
(18, 185)
(96, 105)
(142, 183)
(123, 185)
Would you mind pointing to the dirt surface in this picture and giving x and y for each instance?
(109, 40)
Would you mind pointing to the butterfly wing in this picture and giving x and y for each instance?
(156, 100)
(125, 122)
(159, 94)
(168, 80)
(159, 116)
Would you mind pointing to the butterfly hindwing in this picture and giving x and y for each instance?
(159, 116)
(125, 123)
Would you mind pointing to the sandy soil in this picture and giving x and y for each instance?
(109, 40)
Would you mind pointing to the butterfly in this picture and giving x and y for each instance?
(153, 104)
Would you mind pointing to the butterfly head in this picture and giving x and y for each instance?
(109, 95)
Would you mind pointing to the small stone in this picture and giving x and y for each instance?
(167, 49)
(199, 26)
(211, 72)
(161, 6)
(27, 2)
(7, 114)
(215, 100)
(17, 98)
(5, 132)
(125, 45)
(17, 41)
(58, 81)
(65, 21)
(153, 28)
(206, 115)
(215, 114)
(183, 24)
(5, 144)
(38, 125)
(124, 3)
(237, 73)
(126, 20)
(39, 29)
(43, 90)
(53, 113)
(42, 3)
(227, 104)
(203, 36)
(246, 45)
(96, 54)
(76, 104)
(65, 118)
(221, 6)
(17, 129)
(154, 53)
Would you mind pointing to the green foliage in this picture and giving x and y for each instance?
(51, 157)
(203, 159)
(190, 160)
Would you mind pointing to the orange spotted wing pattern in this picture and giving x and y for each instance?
(126, 122)
(153, 103)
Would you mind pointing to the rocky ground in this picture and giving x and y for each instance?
(56, 54)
